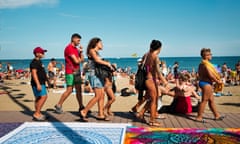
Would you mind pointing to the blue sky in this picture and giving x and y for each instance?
(125, 26)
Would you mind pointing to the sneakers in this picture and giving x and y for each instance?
(58, 109)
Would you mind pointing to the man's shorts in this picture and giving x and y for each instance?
(37, 93)
(70, 80)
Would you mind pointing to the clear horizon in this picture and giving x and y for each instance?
(126, 27)
(48, 58)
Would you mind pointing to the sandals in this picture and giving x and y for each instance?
(200, 121)
(105, 118)
(160, 116)
(82, 107)
(216, 119)
(141, 118)
(133, 110)
(40, 118)
(84, 118)
(110, 113)
(220, 118)
(154, 124)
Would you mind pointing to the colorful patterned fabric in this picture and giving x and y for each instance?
(137, 135)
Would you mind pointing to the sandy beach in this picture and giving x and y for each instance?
(20, 98)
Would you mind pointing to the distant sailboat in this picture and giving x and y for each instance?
(134, 55)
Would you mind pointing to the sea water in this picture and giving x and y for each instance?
(185, 63)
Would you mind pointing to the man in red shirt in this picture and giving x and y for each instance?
(73, 57)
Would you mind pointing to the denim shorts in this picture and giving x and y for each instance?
(37, 93)
(95, 82)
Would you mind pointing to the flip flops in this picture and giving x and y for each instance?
(160, 116)
(154, 124)
(141, 118)
(220, 118)
(105, 118)
(40, 118)
(200, 121)
(110, 113)
(84, 118)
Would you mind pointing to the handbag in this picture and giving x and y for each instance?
(140, 77)
(103, 71)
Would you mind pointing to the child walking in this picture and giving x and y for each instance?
(38, 82)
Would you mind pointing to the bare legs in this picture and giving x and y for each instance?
(68, 91)
(207, 97)
(79, 95)
(153, 94)
(99, 97)
(39, 102)
(141, 100)
(139, 103)
(65, 95)
(111, 97)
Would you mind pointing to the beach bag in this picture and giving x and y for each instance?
(102, 71)
(140, 77)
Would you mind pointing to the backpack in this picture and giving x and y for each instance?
(140, 77)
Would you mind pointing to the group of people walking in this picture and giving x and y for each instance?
(74, 55)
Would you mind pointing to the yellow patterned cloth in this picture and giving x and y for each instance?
(212, 69)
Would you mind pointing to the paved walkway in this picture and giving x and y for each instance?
(171, 121)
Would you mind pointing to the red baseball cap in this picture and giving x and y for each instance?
(39, 50)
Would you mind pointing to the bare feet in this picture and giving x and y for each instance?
(160, 116)
(220, 118)
(110, 113)
(39, 117)
(155, 124)
(103, 118)
(141, 117)
(134, 109)
(83, 116)
(201, 120)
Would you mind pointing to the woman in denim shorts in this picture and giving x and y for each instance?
(94, 46)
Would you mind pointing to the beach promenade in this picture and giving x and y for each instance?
(17, 104)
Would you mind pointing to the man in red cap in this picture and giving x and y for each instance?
(73, 57)
(38, 81)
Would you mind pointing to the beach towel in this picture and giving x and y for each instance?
(211, 68)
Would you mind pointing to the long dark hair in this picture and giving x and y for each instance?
(92, 44)
(155, 44)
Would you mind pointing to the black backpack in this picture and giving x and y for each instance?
(140, 77)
